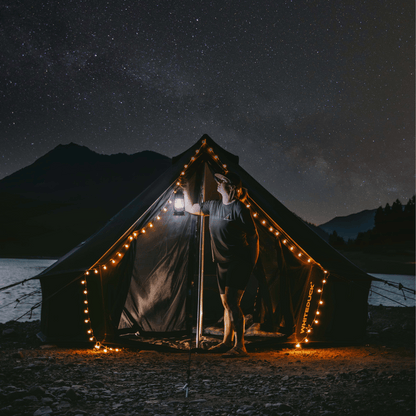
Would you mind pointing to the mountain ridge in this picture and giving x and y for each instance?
(68, 194)
(349, 226)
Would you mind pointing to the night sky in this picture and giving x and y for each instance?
(316, 97)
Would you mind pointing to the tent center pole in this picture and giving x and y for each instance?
(200, 305)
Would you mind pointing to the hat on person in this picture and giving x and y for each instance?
(230, 178)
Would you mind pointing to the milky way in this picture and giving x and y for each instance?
(316, 97)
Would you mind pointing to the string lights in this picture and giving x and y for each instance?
(258, 214)
(265, 220)
(120, 253)
(301, 256)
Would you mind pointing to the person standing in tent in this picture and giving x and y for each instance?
(235, 250)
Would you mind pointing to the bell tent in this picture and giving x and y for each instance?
(144, 271)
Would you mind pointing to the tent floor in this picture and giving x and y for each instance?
(211, 336)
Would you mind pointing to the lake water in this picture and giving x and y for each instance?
(15, 270)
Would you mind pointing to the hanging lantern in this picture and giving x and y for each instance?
(179, 203)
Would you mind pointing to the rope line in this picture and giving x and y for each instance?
(49, 297)
(399, 286)
(17, 283)
(379, 294)
(21, 297)
(389, 291)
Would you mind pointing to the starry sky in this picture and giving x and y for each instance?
(316, 97)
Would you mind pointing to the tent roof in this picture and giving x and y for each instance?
(88, 253)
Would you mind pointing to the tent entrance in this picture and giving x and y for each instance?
(168, 262)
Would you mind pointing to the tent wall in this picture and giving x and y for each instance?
(146, 289)
(62, 317)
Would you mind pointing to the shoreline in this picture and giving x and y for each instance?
(375, 377)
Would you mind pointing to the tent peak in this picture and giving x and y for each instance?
(207, 142)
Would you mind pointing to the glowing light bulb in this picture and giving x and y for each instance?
(86, 321)
(319, 290)
(325, 271)
(91, 338)
(83, 282)
(216, 157)
(300, 255)
(97, 346)
(119, 254)
(185, 166)
(105, 349)
(321, 302)
(263, 222)
(143, 231)
(204, 141)
(86, 311)
(324, 281)
(318, 313)
(165, 209)
(87, 273)
(255, 215)
(182, 173)
(306, 340)
(316, 321)
(284, 241)
(309, 330)
(113, 261)
(85, 292)
(224, 166)
(89, 331)
(117, 350)
(210, 150)
(248, 206)
(271, 229)
(130, 238)
(192, 158)
(126, 245)
(276, 233)
(135, 234)
(95, 271)
(309, 260)
(150, 225)
(169, 201)
(85, 302)
(291, 248)
(197, 151)
(105, 267)
(158, 217)
(297, 345)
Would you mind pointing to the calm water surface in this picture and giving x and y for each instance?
(15, 270)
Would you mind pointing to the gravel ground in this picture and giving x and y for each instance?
(377, 377)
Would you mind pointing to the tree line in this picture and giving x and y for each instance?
(392, 224)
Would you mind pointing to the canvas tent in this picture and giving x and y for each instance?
(138, 271)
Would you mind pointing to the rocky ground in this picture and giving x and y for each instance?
(377, 377)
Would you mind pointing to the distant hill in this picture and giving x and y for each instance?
(348, 227)
(55, 203)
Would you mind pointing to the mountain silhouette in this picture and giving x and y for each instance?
(66, 195)
(349, 226)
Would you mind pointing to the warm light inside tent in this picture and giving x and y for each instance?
(179, 204)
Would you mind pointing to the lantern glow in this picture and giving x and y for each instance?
(179, 203)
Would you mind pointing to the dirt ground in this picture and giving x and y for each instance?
(377, 377)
